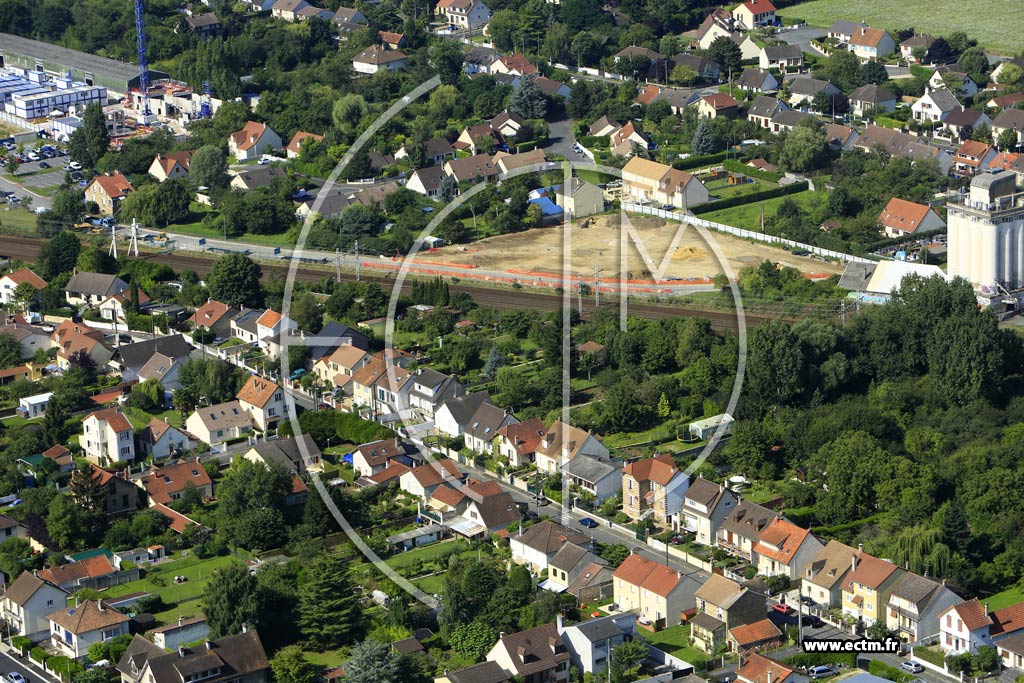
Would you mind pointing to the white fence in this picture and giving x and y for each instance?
(745, 234)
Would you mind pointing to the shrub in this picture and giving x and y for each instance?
(38, 654)
(883, 670)
(739, 167)
(809, 659)
(698, 161)
(21, 643)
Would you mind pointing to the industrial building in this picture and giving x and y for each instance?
(34, 55)
(986, 235)
(32, 95)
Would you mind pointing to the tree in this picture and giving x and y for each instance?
(472, 640)
(804, 148)
(66, 208)
(235, 280)
(448, 189)
(59, 255)
(940, 52)
(1007, 140)
(209, 167)
(502, 28)
(16, 556)
(580, 14)
(231, 599)
(1010, 74)
(24, 295)
(683, 75)
(634, 66)
(842, 69)
(10, 350)
(446, 57)
(975, 62)
(291, 666)
(703, 139)
(873, 72)
(830, 105)
(986, 658)
(373, 662)
(97, 260)
(307, 314)
(725, 53)
(529, 101)
(347, 112)
(68, 523)
(90, 142)
(630, 654)
(329, 611)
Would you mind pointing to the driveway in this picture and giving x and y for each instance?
(802, 37)
(561, 140)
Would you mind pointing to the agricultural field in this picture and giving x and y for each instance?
(995, 24)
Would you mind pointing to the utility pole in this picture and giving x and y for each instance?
(597, 286)
(337, 263)
(134, 243)
(579, 291)
(113, 240)
(357, 260)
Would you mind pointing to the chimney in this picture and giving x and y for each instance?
(558, 622)
(181, 652)
(860, 547)
(520, 528)
(99, 606)
(209, 645)
(180, 619)
(769, 676)
(245, 627)
(853, 563)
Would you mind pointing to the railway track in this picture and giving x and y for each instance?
(27, 249)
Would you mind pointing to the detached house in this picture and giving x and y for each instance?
(656, 592)
(871, 97)
(781, 57)
(538, 655)
(371, 458)
(705, 506)
(901, 217)
(653, 487)
(10, 281)
(116, 494)
(592, 642)
(170, 165)
(803, 90)
(74, 629)
(757, 80)
(294, 147)
(421, 481)
(763, 109)
(935, 105)
(915, 606)
(562, 443)
(964, 627)
(722, 604)
(760, 669)
(960, 125)
(165, 485)
(580, 572)
(463, 14)
(517, 442)
(1009, 119)
(219, 423)
(965, 85)
(645, 180)
(739, 532)
(290, 453)
(595, 477)
(871, 44)
(483, 427)
(718, 104)
(754, 13)
(264, 401)
(426, 181)
(27, 602)
(92, 289)
(907, 47)
(972, 157)
(254, 140)
(160, 440)
(376, 58)
(234, 659)
(107, 437)
(107, 191)
(824, 576)
(868, 588)
(537, 545)
(784, 548)
(214, 316)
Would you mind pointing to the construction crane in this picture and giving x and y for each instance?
(140, 36)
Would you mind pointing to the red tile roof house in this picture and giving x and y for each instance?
(784, 548)
(753, 637)
(533, 656)
(215, 316)
(972, 156)
(294, 147)
(107, 191)
(718, 104)
(74, 628)
(754, 13)
(252, 141)
(658, 593)
(10, 282)
(108, 437)
(759, 669)
(371, 458)
(264, 401)
(95, 572)
(968, 625)
(900, 218)
(164, 485)
(170, 165)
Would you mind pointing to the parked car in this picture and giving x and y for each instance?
(75, 166)
(912, 666)
(589, 523)
(43, 164)
(823, 671)
(782, 608)
(813, 621)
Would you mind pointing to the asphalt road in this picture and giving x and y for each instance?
(9, 663)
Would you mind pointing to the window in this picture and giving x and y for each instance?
(271, 411)
(127, 450)
(49, 603)
(124, 436)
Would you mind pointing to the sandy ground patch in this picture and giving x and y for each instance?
(541, 250)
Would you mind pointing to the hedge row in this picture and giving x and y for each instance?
(883, 670)
(809, 659)
(699, 161)
(737, 166)
(730, 202)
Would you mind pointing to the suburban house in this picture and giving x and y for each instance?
(371, 458)
(653, 487)
(70, 338)
(287, 453)
(580, 198)
(760, 669)
(96, 572)
(919, 43)
(562, 443)
(484, 672)
(603, 126)
(960, 125)
(288, 10)
(705, 506)
(752, 637)
(27, 602)
(421, 481)
(426, 181)
(264, 401)
(871, 44)
(739, 532)
(964, 85)
(871, 97)
(181, 632)
(74, 629)
(1011, 651)
(214, 316)
(517, 442)
(107, 191)
(824, 576)
(803, 90)
(757, 80)
(787, 120)
(489, 508)
(252, 141)
(964, 627)
(915, 605)
(656, 592)
(238, 658)
(781, 57)
(170, 165)
(10, 281)
(350, 15)
(592, 642)
(538, 655)
(476, 168)
(130, 359)
(219, 423)
(30, 338)
(160, 440)
(463, 14)
(255, 177)
(901, 217)
(572, 563)
(753, 14)
(435, 151)
(483, 426)
(717, 24)
(972, 157)
(92, 289)
(479, 59)
(723, 604)
(115, 306)
(784, 548)
(516, 64)
(763, 109)
(703, 67)
(645, 180)
(868, 587)
(598, 478)
(339, 367)
(165, 485)
(107, 437)
(376, 58)
(626, 140)
(1009, 119)
(536, 545)
(116, 493)
(898, 143)
(717, 104)
(843, 30)
(935, 105)
(294, 147)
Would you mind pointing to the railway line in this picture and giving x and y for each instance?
(27, 249)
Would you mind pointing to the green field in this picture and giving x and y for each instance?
(1010, 596)
(160, 579)
(748, 216)
(995, 24)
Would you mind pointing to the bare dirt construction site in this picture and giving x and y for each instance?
(541, 251)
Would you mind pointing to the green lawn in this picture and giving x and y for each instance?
(195, 227)
(327, 660)
(995, 24)
(723, 190)
(748, 216)
(431, 584)
(160, 579)
(16, 422)
(675, 641)
(19, 219)
(1010, 596)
